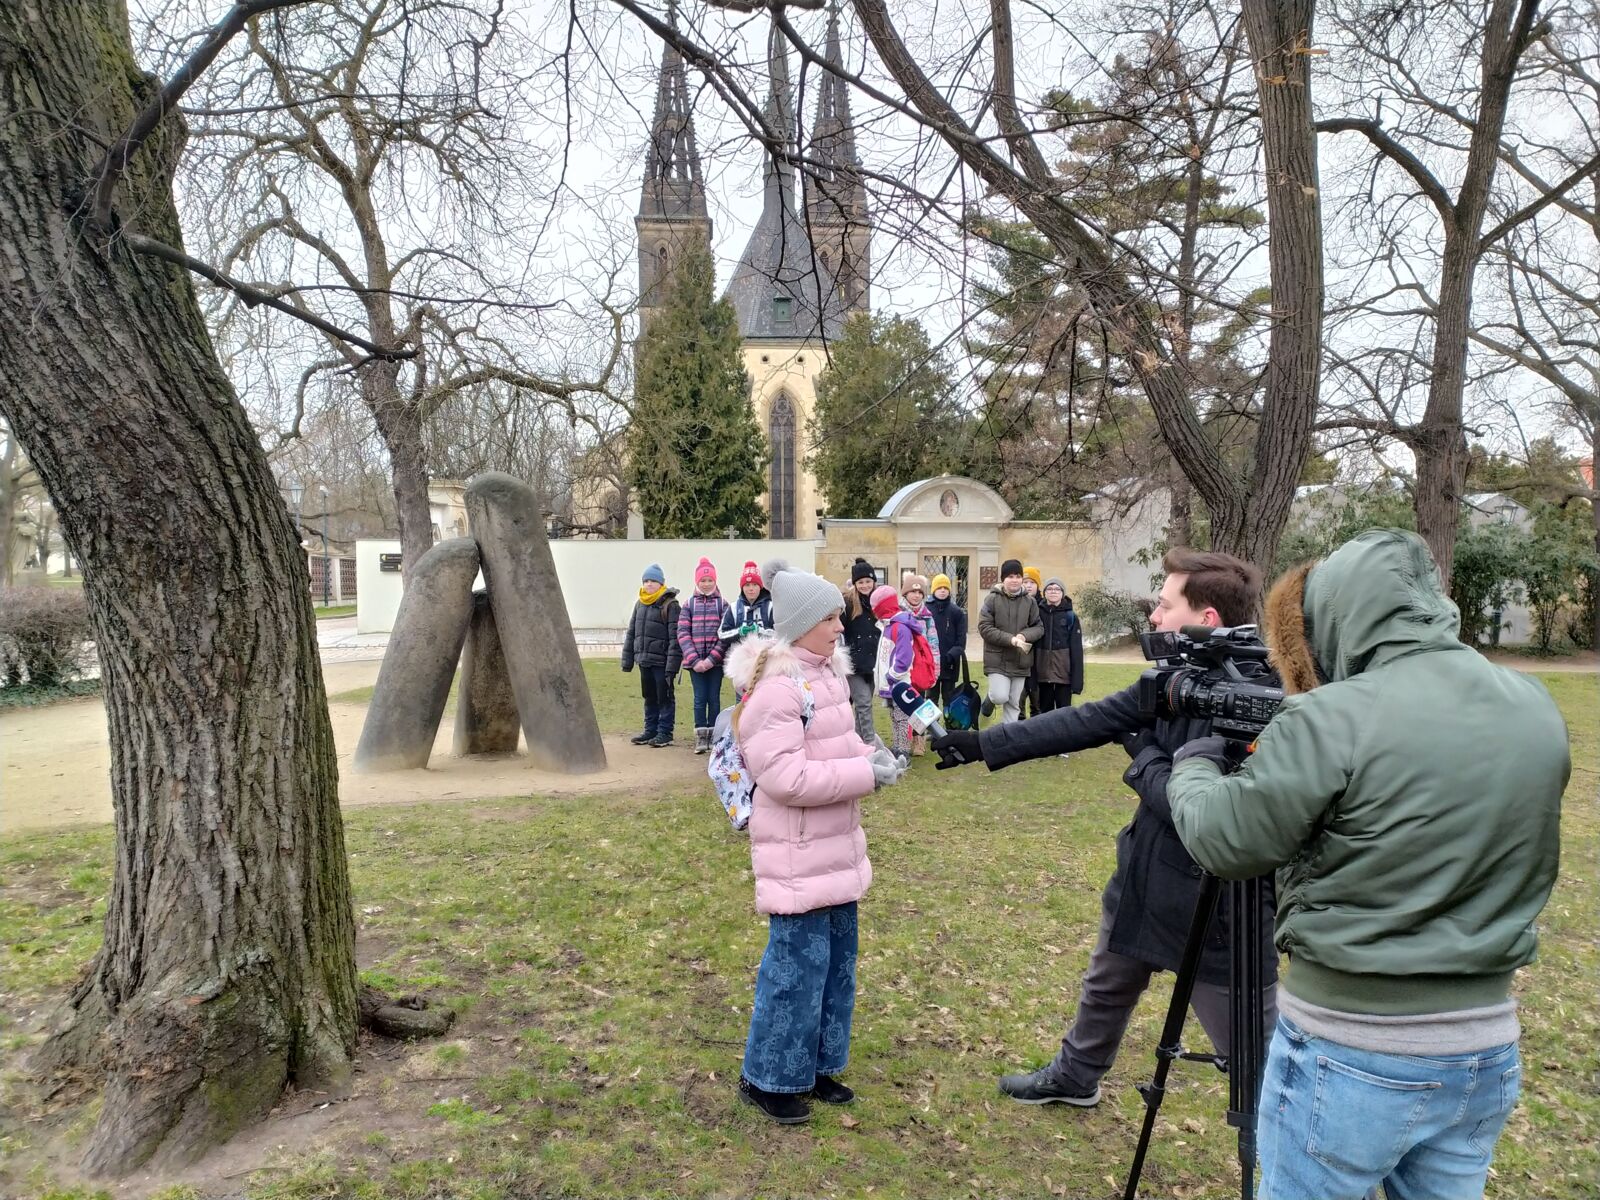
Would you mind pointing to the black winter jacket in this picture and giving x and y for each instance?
(652, 637)
(1058, 655)
(1152, 894)
(861, 637)
(951, 621)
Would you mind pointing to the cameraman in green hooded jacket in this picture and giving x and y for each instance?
(1409, 795)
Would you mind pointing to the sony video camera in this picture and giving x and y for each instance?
(1197, 675)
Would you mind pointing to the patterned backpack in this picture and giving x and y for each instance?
(730, 778)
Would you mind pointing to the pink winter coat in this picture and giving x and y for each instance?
(806, 843)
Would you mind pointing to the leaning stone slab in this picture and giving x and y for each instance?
(486, 706)
(414, 681)
(535, 635)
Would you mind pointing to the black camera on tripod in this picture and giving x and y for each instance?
(1203, 673)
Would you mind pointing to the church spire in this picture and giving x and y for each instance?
(673, 186)
(836, 197)
(780, 119)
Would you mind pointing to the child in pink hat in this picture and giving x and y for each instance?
(700, 638)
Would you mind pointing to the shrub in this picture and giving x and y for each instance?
(44, 636)
(1108, 614)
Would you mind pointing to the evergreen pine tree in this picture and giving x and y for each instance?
(886, 415)
(696, 457)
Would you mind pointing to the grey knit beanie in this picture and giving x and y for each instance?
(799, 598)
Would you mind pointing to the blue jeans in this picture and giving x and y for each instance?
(805, 995)
(660, 705)
(707, 696)
(1336, 1121)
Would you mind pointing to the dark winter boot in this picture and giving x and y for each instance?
(830, 1091)
(786, 1108)
(639, 739)
(660, 740)
(1049, 1085)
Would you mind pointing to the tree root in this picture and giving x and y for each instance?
(404, 1018)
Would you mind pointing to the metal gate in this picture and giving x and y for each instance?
(953, 565)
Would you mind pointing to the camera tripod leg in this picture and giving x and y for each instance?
(1247, 1054)
(1171, 1046)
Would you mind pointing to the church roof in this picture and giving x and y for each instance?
(780, 289)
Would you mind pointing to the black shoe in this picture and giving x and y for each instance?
(660, 740)
(987, 707)
(1048, 1086)
(786, 1108)
(640, 739)
(830, 1091)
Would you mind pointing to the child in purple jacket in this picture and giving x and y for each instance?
(700, 639)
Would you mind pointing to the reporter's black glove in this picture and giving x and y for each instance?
(1137, 743)
(1224, 753)
(957, 748)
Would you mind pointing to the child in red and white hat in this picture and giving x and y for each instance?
(751, 611)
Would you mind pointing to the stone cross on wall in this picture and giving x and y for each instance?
(520, 666)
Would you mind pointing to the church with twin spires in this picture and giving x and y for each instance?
(805, 268)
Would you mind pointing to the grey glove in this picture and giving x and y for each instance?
(885, 774)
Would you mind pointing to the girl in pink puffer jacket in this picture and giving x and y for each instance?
(796, 731)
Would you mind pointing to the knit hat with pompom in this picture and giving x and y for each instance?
(799, 599)
(704, 570)
(750, 575)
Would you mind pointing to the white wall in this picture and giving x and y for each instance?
(599, 579)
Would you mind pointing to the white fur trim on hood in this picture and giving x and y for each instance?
(741, 663)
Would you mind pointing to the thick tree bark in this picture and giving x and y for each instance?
(1280, 44)
(1440, 441)
(228, 964)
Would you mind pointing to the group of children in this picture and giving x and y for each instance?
(807, 660)
(665, 637)
(1032, 645)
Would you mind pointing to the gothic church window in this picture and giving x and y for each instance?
(780, 492)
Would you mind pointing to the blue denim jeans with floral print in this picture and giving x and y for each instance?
(805, 995)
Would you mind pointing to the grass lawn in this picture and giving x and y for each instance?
(601, 952)
(335, 610)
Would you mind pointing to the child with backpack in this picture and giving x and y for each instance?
(651, 643)
(904, 656)
(750, 614)
(796, 734)
(914, 590)
(700, 638)
(950, 619)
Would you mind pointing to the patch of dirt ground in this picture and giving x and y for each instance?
(55, 764)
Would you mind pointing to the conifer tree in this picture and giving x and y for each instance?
(887, 415)
(696, 457)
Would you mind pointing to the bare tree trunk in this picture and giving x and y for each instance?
(1440, 441)
(1280, 39)
(1180, 507)
(8, 504)
(1247, 515)
(227, 968)
(400, 426)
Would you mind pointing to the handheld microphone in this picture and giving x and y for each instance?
(924, 714)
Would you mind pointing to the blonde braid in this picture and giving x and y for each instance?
(755, 678)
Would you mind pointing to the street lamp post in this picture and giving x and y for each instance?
(327, 567)
(295, 490)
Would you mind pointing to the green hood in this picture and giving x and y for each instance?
(1375, 599)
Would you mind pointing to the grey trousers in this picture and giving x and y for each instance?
(1111, 989)
(861, 701)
